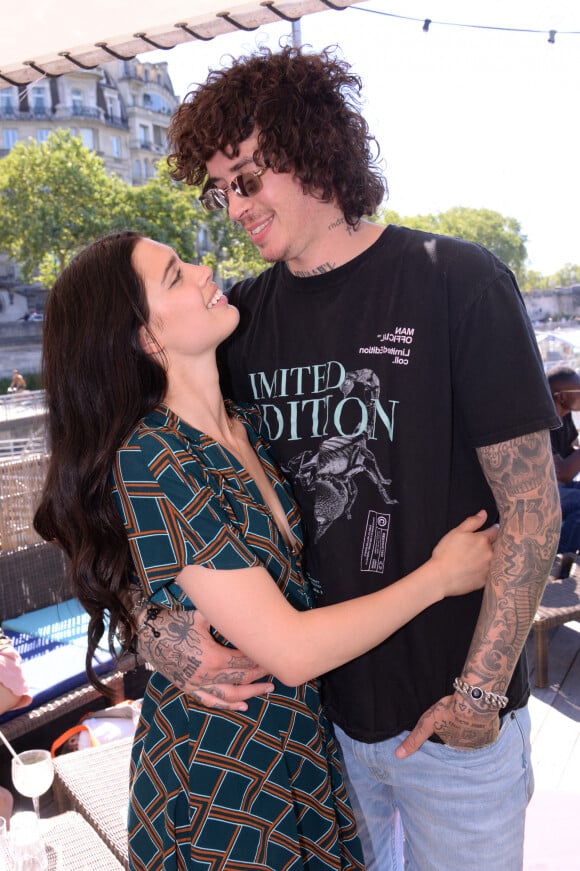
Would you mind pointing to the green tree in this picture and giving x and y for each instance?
(501, 235)
(55, 197)
(566, 276)
(166, 211)
(533, 280)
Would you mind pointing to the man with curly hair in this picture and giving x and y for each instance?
(401, 389)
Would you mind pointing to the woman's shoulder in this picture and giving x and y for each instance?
(155, 439)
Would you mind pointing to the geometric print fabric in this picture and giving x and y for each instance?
(259, 789)
(213, 789)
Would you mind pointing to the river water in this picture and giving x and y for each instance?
(28, 358)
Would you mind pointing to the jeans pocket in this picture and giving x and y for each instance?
(521, 721)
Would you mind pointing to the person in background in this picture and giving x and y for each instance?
(17, 383)
(13, 695)
(154, 480)
(565, 388)
(400, 385)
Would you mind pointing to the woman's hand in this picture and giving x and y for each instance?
(463, 556)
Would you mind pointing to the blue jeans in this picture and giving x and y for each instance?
(460, 810)
(570, 504)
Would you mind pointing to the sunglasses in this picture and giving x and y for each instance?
(244, 185)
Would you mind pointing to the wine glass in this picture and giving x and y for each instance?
(32, 774)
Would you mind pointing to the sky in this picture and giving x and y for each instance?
(464, 116)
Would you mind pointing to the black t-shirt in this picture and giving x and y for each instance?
(564, 438)
(377, 381)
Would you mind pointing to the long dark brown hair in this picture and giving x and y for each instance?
(99, 383)
(305, 108)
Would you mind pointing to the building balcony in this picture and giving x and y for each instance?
(62, 112)
(10, 114)
(148, 146)
(164, 113)
(116, 121)
(74, 112)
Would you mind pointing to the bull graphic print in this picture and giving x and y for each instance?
(330, 474)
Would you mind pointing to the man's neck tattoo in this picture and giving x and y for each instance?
(318, 270)
(340, 222)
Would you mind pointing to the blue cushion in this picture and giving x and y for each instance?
(52, 668)
(53, 643)
(66, 622)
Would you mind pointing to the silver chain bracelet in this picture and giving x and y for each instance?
(491, 700)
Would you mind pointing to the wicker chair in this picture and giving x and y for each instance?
(560, 604)
(31, 578)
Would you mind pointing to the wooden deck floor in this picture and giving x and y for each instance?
(553, 820)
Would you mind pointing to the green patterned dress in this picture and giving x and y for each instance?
(211, 789)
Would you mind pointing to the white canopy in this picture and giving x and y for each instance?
(51, 37)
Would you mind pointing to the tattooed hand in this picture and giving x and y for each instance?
(180, 646)
(456, 722)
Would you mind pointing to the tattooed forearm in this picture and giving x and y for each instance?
(521, 476)
(180, 645)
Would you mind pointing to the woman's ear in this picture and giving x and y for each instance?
(148, 341)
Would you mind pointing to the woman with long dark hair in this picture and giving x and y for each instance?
(158, 483)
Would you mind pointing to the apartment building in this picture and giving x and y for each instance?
(120, 110)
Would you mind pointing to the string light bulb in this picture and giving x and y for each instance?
(427, 22)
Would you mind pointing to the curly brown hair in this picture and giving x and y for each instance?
(305, 109)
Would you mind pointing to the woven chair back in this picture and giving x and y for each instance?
(21, 481)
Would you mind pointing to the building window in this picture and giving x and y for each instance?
(9, 138)
(38, 101)
(137, 169)
(143, 136)
(158, 135)
(42, 135)
(113, 108)
(157, 103)
(77, 101)
(116, 146)
(88, 137)
(6, 101)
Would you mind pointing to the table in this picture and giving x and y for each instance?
(95, 782)
(72, 845)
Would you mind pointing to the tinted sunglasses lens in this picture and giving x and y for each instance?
(247, 184)
(214, 199)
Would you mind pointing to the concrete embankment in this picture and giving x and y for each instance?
(20, 347)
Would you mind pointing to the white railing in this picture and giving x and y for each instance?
(27, 403)
(32, 444)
